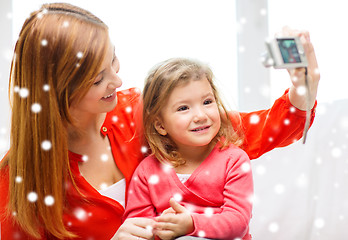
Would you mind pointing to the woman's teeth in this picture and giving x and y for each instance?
(109, 95)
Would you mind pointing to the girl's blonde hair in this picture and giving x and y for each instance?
(56, 58)
(159, 84)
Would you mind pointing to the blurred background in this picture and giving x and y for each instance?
(301, 190)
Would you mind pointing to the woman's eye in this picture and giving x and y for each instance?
(98, 82)
(182, 108)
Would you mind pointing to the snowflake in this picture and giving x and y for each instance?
(336, 152)
(114, 118)
(103, 186)
(261, 170)
(46, 145)
(44, 42)
(243, 20)
(201, 234)
(143, 149)
(149, 228)
(319, 223)
(316, 71)
(154, 179)
(65, 24)
(178, 197)
(23, 92)
(79, 55)
(32, 197)
(302, 180)
(104, 157)
(279, 188)
(36, 107)
(3, 130)
(263, 11)
(208, 212)
(286, 121)
(46, 87)
(252, 198)
(49, 200)
(166, 167)
(294, 78)
(39, 15)
(254, 119)
(18, 179)
(301, 90)
(80, 214)
(265, 91)
(241, 49)
(128, 109)
(85, 158)
(246, 167)
(273, 227)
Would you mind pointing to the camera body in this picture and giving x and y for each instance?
(284, 52)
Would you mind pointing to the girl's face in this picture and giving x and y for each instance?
(101, 97)
(191, 116)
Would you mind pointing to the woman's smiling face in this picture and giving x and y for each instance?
(101, 97)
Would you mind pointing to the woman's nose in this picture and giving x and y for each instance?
(116, 80)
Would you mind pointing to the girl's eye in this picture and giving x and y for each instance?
(208, 101)
(182, 108)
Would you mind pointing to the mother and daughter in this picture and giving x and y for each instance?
(75, 167)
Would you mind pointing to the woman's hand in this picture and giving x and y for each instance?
(135, 229)
(297, 93)
(174, 222)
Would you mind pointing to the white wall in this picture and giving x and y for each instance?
(147, 32)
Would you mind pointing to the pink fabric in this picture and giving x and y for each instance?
(221, 185)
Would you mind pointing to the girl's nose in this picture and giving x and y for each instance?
(199, 115)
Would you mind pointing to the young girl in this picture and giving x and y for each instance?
(196, 159)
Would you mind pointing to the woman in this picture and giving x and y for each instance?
(75, 141)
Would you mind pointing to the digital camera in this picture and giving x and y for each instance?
(284, 52)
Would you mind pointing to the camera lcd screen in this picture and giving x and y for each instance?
(289, 51)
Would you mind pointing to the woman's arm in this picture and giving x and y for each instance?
(284, 122)
(296, 93)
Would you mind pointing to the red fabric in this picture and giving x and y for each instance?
(278, 126)
(218, 193)
(124, 131)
